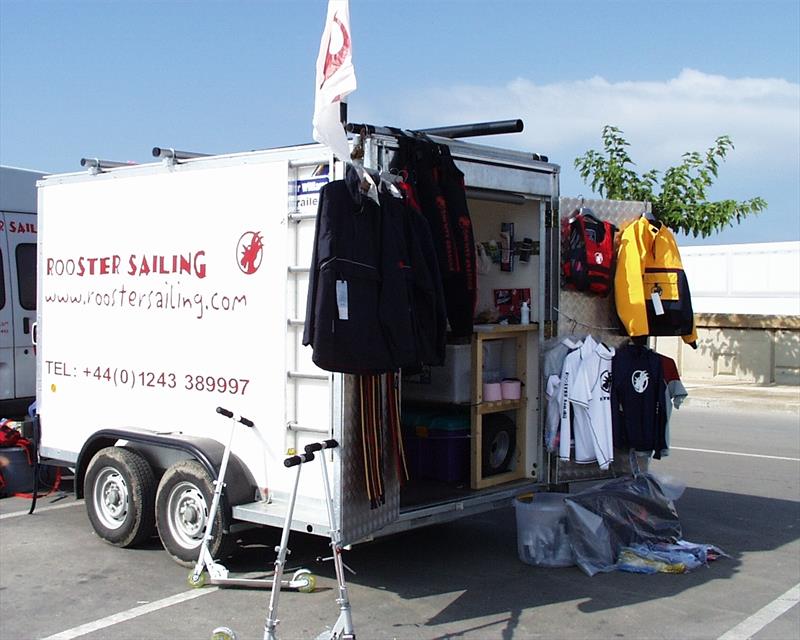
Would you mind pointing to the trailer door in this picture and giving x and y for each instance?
(6, 321)
(581, 313)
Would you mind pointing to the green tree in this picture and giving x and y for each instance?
(679, 198)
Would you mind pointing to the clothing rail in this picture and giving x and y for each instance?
(455, 131)
(575, 321)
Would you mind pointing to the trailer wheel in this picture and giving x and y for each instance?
(499, 442)
(183, 501)
(120, 493)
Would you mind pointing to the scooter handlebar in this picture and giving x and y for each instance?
(319, 446)
(229, 414)
(293, 461)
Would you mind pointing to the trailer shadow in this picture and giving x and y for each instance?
(475, 560)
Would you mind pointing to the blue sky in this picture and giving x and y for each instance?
(112, 79)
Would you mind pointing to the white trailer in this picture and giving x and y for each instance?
(17, 289)
(170, 288)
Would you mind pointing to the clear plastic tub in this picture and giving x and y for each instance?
(542, 538)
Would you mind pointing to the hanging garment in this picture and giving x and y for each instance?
(572, 421)
(650, 287)
(637, 400)
(343, 320)
(590, 394)
(461, 294)
(552, 364)
(588, 254)
(675, 393)
(430, 313)
(396, 304)
(439, 187)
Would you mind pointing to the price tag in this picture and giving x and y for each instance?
(341, 299)
(657, 306)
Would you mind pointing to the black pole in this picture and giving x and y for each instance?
(477, 129)
(455, 131)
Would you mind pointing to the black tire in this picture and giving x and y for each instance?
(183, 501)
(498, 444)
(119, 489)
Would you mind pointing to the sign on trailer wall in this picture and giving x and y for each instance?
(178, 309)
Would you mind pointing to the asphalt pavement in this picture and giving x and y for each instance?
(740, 463)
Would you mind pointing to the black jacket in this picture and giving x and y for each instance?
(375, 299)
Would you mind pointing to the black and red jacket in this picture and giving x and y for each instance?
(588, 254)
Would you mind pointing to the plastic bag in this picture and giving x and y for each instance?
(664, 557)
(616, 514)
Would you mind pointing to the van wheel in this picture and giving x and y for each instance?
(183, 501)
(120, 493)
(499, 442)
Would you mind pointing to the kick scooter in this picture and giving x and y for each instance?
(302, 580)
(343, 628)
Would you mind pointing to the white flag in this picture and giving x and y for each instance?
(336, 77)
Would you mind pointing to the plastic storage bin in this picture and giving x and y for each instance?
(542, 538)
(437, 445)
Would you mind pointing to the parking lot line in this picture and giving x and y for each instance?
(761, 618)
(736, 453)
(16, 514)
(123, 616)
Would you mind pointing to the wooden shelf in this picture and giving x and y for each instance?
(483, 329)
(519, 334)
(500, 405)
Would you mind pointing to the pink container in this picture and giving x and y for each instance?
(511, 389)
(492, 392)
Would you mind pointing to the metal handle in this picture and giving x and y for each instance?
(229, 414)
(319, 446)
(293, 461)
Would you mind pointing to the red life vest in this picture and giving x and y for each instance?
(588, 254)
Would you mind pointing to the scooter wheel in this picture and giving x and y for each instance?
(199, 582)
(223, 633)
(308, 582)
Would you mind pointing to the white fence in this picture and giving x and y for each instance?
(761, 279)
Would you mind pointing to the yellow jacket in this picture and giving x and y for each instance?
(650, 287)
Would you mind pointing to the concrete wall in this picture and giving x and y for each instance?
(738, 348)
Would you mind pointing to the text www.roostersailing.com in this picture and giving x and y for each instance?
(167, 299)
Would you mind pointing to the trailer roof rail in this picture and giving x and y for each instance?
(95, 165)
(172, 156)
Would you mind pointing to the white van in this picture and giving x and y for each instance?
(17, 289)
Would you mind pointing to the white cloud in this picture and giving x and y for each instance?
(661, 119)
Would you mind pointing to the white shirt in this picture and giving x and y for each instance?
(590, 394)
(553, 365)
(569, 372)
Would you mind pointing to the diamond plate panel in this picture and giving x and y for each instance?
(583, 313)
(357, 519)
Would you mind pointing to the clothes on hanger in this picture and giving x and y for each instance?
(374, 302)
(590, 394)
(637, 400)
(675, 393)
(588, 253)
(439, 188)
(650, 288)
(553, 357)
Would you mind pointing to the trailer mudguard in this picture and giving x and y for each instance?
(240, 487)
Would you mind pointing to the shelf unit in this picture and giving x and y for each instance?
(483, 333)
